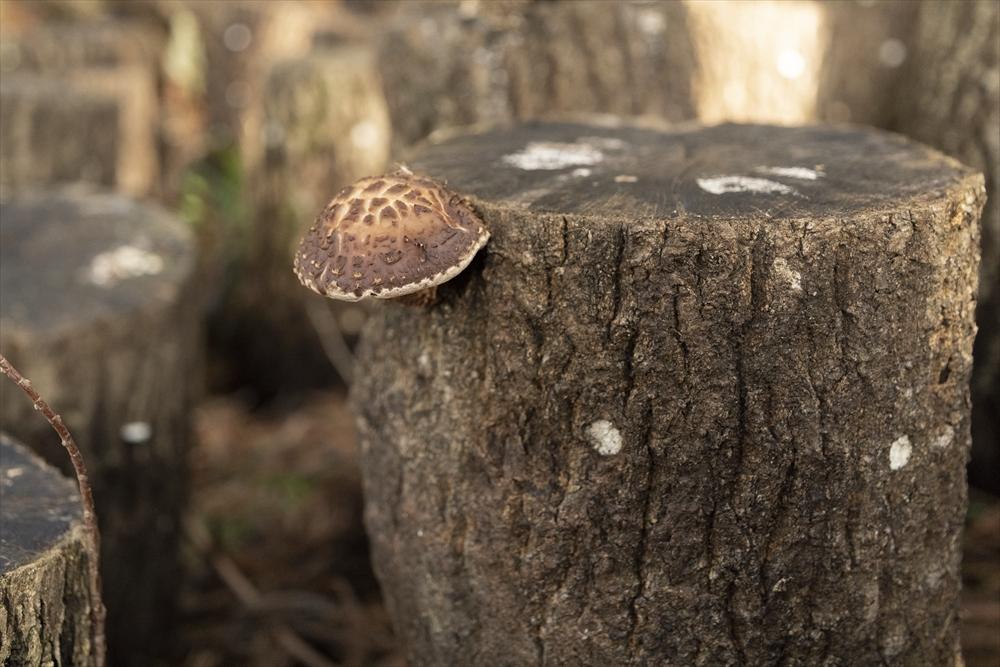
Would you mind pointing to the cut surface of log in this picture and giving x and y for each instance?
(702, 399)
(44, 584)
(98, 309)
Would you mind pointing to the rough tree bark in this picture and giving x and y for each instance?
(702, 400)
(44, 583)
(99, 311)
(950, 98)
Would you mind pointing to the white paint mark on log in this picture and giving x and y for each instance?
(551, 155)
(892, 53)
(605, 437)
(603, 143)
(720, 185)
(899, 452)
(651, 22)
(803, 173)
(136, 433)
(110, 268)
(944, 437)
(786, 273)
(364, 135)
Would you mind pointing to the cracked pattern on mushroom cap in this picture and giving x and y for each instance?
(388, 236)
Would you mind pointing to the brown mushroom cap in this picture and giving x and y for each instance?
(388, 236)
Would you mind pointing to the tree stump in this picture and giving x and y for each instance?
(44, 583)
(99, 311)
(950, 98)
(453, 64)
(702, 400)
(114, 62)
(327, 125)
(56, 132)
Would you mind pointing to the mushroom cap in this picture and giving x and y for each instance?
(388, 236)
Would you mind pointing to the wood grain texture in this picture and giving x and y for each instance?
(44, 592)
(100, 311)
(656, 425)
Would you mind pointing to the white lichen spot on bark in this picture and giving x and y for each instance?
(787, 274)
(605, 438)
(720, 185)
(110, 268)
(944, 437)
(899, 452)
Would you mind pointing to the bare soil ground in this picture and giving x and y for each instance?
(278, 559)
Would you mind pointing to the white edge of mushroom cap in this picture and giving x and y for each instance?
(393, 292)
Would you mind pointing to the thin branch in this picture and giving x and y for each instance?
(331, 338)
(97, 611)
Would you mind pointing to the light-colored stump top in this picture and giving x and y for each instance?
(724, 171)
(68, 257)
(38, 506)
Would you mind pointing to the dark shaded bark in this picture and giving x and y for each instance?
(656, 425)
(45, 606)
(950, 99)
(99, 310)
(447, 65)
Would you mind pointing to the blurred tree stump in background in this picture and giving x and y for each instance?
(54, 131)
(950, 99)
(867, 45)
(100, 312)
(704, 400)
(484, 63)
(44, 582)
(326, 125)
(113, 61)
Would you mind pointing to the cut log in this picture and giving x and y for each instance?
(447, 65)
(327, 126)
(703, 399)
(45, 603)
(950, 98)
(56, 132)
(99, 311)
(117, 62)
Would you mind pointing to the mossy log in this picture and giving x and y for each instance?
(703, 399)
(99, 309)
(45, 605)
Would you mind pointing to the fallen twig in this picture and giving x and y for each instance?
(97, 611)
(251, 598)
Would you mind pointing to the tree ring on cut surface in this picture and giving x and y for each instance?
(388, 236)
